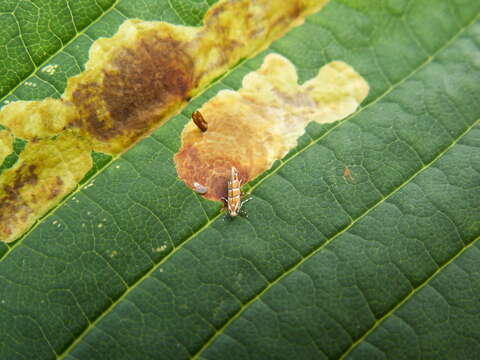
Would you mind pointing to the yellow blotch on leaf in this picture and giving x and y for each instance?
(31, 120)
(47, 171)
(6, 144)
(260, 123)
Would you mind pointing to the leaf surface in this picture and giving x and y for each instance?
(361, 243)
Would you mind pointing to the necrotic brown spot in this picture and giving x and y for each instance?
(152, 75)
(56, 188)
(137, 89)
(11, 205)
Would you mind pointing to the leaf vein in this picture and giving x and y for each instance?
(404, 300)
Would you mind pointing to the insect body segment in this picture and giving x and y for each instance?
(234, 200)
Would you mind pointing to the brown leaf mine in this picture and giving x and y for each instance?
(132, 83)
(6, 144)
(148, 70)
(47, 171)
(31, 120)
(251, 128)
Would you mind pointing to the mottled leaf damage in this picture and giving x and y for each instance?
(6, 144)
(139, 88)
(260, 123)
(132, 83)
(49, 170)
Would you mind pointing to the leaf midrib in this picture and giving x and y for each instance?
(134, 285)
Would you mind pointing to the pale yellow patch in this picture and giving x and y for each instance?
(6, 144)
(30, 120)
(251, 128)
(46, 171)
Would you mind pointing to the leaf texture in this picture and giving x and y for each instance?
(361, 243)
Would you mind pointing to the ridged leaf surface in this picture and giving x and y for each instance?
(361, 243)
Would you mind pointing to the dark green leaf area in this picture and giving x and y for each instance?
(184, 12)
(355, 245)
(34, 30)
(441, 320)
(11, 51)
(408, 254)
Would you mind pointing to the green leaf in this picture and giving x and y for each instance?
(361, 243)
